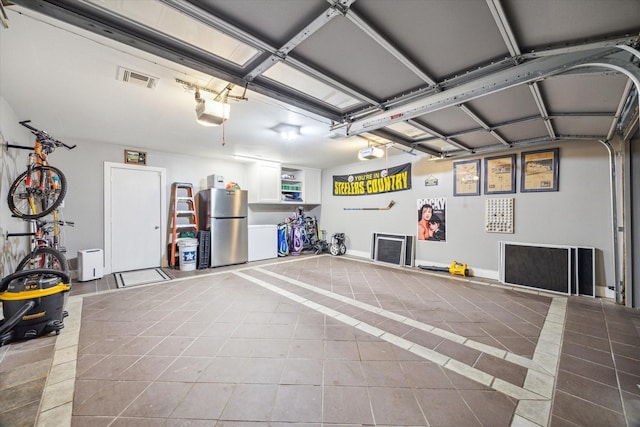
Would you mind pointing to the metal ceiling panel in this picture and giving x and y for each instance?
(474, 75)
(523, 131)
(441, 37)
(274, 21)
(584, 93)
(344, 51)
(505, 105)
(552, 22)
(449, 120)
(479, 139)
(583, 126)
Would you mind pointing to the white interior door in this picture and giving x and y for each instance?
(134, 216)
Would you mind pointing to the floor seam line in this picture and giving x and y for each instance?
(451, 364)
(514, 358)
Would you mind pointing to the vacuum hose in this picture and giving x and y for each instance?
(13, 320)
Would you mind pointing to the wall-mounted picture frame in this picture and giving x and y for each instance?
(134, 157)
(539, 170)
(466, 178)
(500, 174)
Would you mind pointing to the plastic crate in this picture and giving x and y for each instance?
(204, 249)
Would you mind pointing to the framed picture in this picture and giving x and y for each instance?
(466, 175)
(539, 170)
(135, 157)
(500, 174)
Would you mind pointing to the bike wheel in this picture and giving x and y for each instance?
(48, 258)
(38, 194)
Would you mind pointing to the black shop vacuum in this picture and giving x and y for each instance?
(32, 302)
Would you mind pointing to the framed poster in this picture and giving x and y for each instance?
(500, 174)
(135, 157)
(466, 176)
(432, 219)
(539, 170)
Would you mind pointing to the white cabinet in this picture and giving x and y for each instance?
(312, 186)
(264, 182)
(272, 183)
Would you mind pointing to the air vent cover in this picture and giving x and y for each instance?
(137, 78)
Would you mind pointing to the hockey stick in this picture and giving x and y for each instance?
(386, 208)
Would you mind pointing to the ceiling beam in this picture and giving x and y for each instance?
(502, 23)
(276, 54)
(281, 53)
(537, 98)
(481, 122)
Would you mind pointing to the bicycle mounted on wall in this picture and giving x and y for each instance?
(41, 188)
(33, 296)
(36, 193)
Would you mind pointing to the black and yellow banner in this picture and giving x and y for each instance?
(397, 178)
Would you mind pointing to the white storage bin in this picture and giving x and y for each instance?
(263, 242)
(90, 264)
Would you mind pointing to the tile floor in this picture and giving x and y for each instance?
(326, 341)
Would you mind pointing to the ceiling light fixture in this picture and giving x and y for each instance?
(286, 131)
(210, 113)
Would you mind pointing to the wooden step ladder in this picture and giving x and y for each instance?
(183, 216)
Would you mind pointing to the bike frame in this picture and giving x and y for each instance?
(39, 158)
(45, 182)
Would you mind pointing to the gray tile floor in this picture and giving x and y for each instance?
(327, 341)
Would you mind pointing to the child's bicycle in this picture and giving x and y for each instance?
(40, 189)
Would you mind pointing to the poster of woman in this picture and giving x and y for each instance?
(432, 219)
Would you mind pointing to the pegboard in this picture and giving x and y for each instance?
(499, 215)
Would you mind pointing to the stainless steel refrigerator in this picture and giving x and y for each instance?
(224, 214)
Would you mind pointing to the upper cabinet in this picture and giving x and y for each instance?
(264, 182)
(272, 183)
(312, 186)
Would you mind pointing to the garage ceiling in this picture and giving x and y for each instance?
(447, 78)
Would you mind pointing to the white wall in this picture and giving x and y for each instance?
(83, 204)
(83, 167)
(578, 214)
(12, 162)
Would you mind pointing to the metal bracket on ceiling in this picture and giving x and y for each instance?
(192, 86)
(224, 94)
(341, 6)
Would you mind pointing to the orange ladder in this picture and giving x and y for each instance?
(183, 215)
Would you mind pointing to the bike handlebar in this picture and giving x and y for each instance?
(43, 223)
(44, 137)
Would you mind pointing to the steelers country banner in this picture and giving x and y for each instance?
(396, 178)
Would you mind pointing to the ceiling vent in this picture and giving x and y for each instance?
(137, 78)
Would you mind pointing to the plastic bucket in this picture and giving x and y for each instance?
(188, 254)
